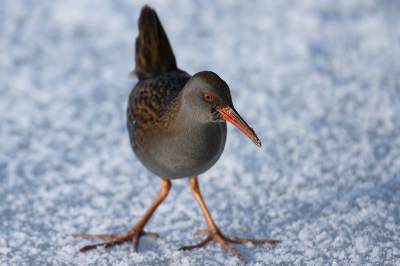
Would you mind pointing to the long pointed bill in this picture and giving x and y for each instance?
(230, 115)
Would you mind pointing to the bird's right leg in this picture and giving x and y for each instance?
(137, 230)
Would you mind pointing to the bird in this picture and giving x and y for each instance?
(177, 129)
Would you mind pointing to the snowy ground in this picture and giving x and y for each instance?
(318, 81)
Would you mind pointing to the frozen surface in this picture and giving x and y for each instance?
(318, 81)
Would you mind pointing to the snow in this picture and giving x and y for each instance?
(317, 80)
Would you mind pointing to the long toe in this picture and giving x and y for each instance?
(102, 237)
(114, 240)
(216, 236)
(106, 245)
(201, 244)
(155, 235)
(247, 240)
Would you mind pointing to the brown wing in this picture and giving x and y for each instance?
(152, 105)
(153, 99)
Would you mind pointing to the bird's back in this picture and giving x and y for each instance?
(152, 106)
(154, 98)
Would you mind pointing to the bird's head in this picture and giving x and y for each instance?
(208, 99)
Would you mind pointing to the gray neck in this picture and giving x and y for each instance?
(186, 118)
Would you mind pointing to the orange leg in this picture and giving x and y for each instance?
(213, 232)
(137, 230)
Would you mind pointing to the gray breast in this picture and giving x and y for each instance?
(186, 153)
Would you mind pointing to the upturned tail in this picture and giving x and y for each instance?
(154, 54)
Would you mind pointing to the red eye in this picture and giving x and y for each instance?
(208, 97)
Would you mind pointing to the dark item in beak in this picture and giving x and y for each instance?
(230, 115)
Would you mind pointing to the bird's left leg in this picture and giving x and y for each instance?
(212, 231)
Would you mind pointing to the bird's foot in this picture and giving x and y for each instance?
(217, 236)
(114, 240)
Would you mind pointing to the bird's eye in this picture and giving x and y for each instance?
(207, 97)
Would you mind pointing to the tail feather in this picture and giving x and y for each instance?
(154, 54)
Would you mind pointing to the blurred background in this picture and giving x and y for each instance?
(317, 80)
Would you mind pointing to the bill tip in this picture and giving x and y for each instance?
(257, 142)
